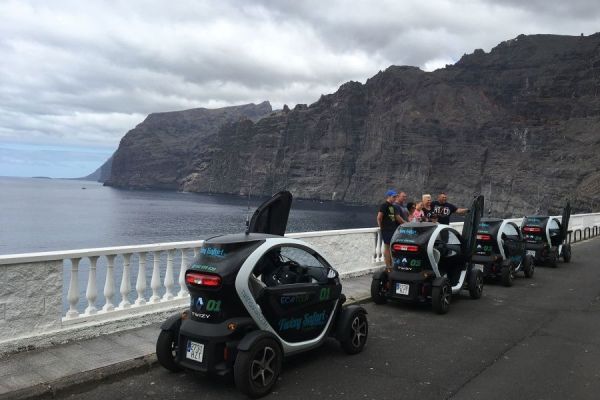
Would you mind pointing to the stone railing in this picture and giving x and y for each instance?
(44, 295)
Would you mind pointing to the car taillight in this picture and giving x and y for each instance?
(411, 248)
(486, 238)
(198, 279)
(532, 229)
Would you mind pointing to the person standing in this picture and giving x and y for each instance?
(444, 210)
(387, 221)
(400, 205)
(428, 214)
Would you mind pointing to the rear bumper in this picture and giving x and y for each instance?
(419, 287)
(220, 345)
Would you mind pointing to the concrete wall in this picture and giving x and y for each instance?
(30, 298)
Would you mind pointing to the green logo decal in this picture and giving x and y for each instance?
(202, 267)
(213, 305)
(324, 294)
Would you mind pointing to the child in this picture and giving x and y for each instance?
(410, 206)
(417, 215)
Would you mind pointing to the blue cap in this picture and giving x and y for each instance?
(390, 192)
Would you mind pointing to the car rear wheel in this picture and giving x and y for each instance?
(377, 292)
(566, 253)
(476, 284)
(528, 266)
(356, 332)
(166, 351)
(507, 275)
(553, 258)
(440, 297)
(256, 371)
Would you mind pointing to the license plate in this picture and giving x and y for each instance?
(195, 351)
(530, 253)
(478, 266)
(402, 288)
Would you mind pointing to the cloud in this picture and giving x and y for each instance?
(85, 73)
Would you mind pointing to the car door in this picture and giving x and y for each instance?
(298, 302)
(513, 244)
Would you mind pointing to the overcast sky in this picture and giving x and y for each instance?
(75, 76)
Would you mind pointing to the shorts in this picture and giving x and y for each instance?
(386, 236)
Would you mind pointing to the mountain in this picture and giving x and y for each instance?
(102, 174)
(163, 149)
(518, 124)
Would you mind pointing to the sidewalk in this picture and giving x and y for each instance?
(44, 372)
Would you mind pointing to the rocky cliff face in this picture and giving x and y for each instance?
(518, 124)
(162, 151)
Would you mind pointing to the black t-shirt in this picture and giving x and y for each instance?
(428, 214)
(389, 217)
(443, 211)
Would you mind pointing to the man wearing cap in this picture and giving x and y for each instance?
(387, 220)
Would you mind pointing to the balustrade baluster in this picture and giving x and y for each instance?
(379, 246)
(169, 282)
(140, 284)
(109, 284)
(196, 252)
(125, 283)
(182, 288)
(73, 294)
(155, 281)
(91, 292)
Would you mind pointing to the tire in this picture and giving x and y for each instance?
(553, 259)
(475, 284)
(166, 351)
(507, 276)
(441, 297)
(566, 253)
(255, 371)
(528, 266)
(357, 331)
(376, 292)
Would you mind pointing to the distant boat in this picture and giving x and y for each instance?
(84, 188)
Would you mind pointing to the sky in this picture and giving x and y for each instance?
(75, 76)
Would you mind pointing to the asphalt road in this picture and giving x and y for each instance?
(539, 339)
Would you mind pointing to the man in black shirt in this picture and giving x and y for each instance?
(444, 210)
(387, 220)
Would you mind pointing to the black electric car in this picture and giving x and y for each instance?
(431, 262)
(501, 251)
(546, 237)
(256, 297)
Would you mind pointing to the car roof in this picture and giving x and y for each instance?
(240, 238)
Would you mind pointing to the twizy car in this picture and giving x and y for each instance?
(257, 297)
(501, 251)
(431, 262)
(546, 237)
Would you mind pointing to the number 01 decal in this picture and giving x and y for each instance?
(213, 305)
(325, 293)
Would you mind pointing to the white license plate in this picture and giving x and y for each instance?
(531, 253)
(479, 267)
(402, 288)
(195, 351)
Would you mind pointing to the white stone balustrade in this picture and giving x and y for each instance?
(31, 285)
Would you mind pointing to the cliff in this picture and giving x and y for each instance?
(518, 124)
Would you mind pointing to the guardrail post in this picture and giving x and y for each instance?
(182, 288)
(73, 294)
(125, 283)
(140, 284)
(91, 292)
(169, 282)
(109, 284)
(155, 282)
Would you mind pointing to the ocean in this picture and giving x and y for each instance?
(53, 214)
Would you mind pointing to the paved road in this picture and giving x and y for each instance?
(539, 339)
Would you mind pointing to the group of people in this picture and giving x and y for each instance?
(396, 211)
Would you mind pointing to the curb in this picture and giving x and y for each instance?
(70, 383)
